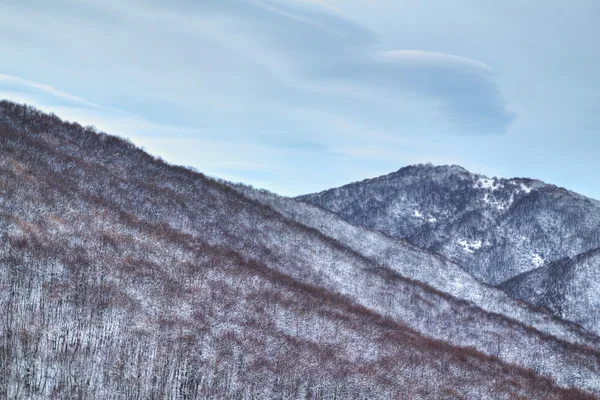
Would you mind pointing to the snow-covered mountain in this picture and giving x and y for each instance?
(124, 277)
(570, 288)
(495, 228)
(409, 261)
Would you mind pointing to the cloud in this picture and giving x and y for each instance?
(591, 114)
(20, 84)
(419, 58)
(238, 65)
(464, 90)
(324, 44)
(73, 108)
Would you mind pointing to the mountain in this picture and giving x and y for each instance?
(570, 288)
(413, 263)
(495, 228)
(122, 276)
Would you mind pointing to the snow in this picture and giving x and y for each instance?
(470, 246)
(486, 183)
(499, 204)
(526, 188)
(419, 214)
(486, 198)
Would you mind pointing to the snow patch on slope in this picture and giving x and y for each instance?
(498, 204)
(470, 246)
(487, 183)
(526, 188)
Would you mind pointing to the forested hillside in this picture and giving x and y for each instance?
(409, 261)
(570, 288)
(124, 277)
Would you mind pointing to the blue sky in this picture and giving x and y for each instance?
(299, 96)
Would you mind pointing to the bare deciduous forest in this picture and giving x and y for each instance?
(124, 277)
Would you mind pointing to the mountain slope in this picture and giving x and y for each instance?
(495, 228)
(569, 288)
(414, 263)
(122, 276)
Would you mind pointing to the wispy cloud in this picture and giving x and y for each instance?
(591, 113)
(7, 81)
(73, 108)
(239, 63)
(464, 90)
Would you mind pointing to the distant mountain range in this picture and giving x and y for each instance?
(496, 229)
(122, 276)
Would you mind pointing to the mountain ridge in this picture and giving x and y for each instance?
(566, 287)
(460, 169)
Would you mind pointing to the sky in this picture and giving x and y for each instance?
(298, 96)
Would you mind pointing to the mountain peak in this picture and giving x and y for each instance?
(481, 180)
(429, 168)
(496, 228)
(435, 167)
